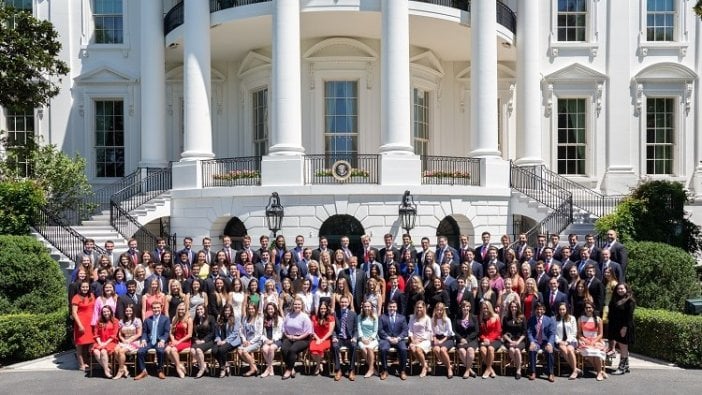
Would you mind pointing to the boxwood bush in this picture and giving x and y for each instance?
(670, 336)
(661, 276)
(19, 201)
(33, 301)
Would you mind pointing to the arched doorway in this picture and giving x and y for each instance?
(236, 230)
(449, 228)
(342, 225)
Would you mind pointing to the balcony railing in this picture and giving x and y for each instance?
(450, 170)
(319, 169)
(175, 16)
(229, 172)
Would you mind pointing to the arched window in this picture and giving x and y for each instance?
(236, 230)
(448, 227)
(342, 225)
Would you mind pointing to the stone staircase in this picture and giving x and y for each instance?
(65, 263)
(159, 206)
(525, 205)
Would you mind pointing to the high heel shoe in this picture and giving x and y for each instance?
(292, 375)
(265, 374)
(286, 375)
(450, 374)
(119, 375)
(224, 372)
(251, 373)
(126, 373)
(108, 374)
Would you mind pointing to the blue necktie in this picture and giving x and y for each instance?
(154, 330)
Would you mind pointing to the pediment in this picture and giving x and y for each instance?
(428, 62)
(666, 72)
(104, 75)
(503, 73)
(176, 74)
(253, 61)
(576, 72)
(340, 47)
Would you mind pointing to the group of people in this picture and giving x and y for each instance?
(332, 303)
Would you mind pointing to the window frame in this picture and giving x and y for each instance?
(678, 46)
(585, 144)
(95, 147)
(589, 46)
(672, 144)
(95, 16)
(87, 39)
(266, 121)
(352, 157)
(7, 115)
(426, 141)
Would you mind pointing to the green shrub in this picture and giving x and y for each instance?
(19, 201)
(671, 336)
(661, 276)
(30, 280)
(27, 336)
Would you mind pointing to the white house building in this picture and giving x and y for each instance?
(243, 98)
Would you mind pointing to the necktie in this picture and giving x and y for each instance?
(483, 251)
(344, 313)
(460, 296)
(134, 298)
(553, 297)
(353, 279)
(154, 329)
(229, 256)
(539, 334)
(392, 322)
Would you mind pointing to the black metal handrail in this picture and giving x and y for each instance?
(450, 170)
(130, 228)
(554, 223)
(60, 234)
(226, 172)
(584, 198)
(364, 169)
(175, 16)
(530, 183)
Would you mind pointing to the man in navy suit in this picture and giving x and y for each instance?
(356, 279)
(394, 294)
(392, 332)
(155, 332)
(442, 250)
(541, 332)
(618, 252)
(345, 335)
(554, 297)
(482, 250)
(608, 263)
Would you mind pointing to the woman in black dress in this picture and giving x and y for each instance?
(466, 330)
(204, 327)
(513, 335)
(621, 323)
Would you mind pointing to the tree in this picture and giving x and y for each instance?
(28, 60)
(698, 8)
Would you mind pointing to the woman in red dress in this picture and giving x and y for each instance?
(323, 326)
(180, 339)
(490, 334)
(106, 330)
(82, 306)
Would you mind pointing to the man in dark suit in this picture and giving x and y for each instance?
(155, 332)
(370, 262)
(595, 288)
(264, 242)
(157, 276)
(356, 279)
(608, 263)
(491, 259)
(574, 245)
(89, 251)
(557, 274)
(584, 262)
(159, 249)
(229, 252)
(481, 251)
(541, 332)
(245, 250)
(442, 252)
(299, 249)
(422, 255)
(554, 297)
(549, 260)
(130, 298)
(345, 335)
(475, 266)
(394, 294)
(541, 277)
(457, 295)
(618, 252)
(464, 248)
(520, 247)
(590, 246)
(210, 255)
(188, 249)
(215, 273)
(364, 252)
(389, 239)
(323, 246)
(540, 247)
(392, 333)
(407, 246)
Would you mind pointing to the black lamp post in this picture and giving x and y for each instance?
(407, 212)
(274, 213)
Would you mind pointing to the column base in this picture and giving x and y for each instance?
(619, 181)
(696, 186)
(400, 169)
(535, 161)
(195, 155)
(282, 170)
(187, 174)
(494, 172)
(485, 153)
(285, 150)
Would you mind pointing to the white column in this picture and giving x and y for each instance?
(529, 112)
(483, 78)
(395, 121)
(284, 164)
(196, 53)
(286, 116)
(398, 164)
(696, 113)
(153, 86)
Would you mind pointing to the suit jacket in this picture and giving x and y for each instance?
(581, 267)
(440, 255)
(351, 325)
(619, 254)
(547, 267)
(548, 330)
(382, 253)
(317, 252)
(156, 254)
(455, 306)
(552, 308)
(191, 254)
(412, 250)
(358, 289)
(232, 256)
(388, 329)
(398, 296)
(124, 301)
(597, 291)
(164, 282)
(542, 283)
(94, 258)
(479, 252)
(616, 268)
(361, 254)
(163, 329)
(594, 253)
(230, 333)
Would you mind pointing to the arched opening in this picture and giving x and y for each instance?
(236, 230)
(448, 227)
(342, 225)
(521, 224)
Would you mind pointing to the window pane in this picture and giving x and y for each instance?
(341, 117)
(109, 138)
(660, 131)
(571, 136)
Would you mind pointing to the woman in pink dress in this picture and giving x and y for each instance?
(590, 338)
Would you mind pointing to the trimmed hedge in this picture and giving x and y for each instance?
(670, 336)
(19, 203)
(28, 336)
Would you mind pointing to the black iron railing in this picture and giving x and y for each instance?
(227, 172)
(150, 184)
(450, 170)
(60, 234)
(554, 223)
(175, 16)
(530, 183)
(363, 169)
(584, 198)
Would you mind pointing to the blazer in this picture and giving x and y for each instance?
(552, 308)
(361, 255)
(398, 296)
(387, 329)
(616, 268)
(470, 334)
(351, 325)
(440, 255)
(382, 253)
(542, 282)
(479, 252)
(597, 291)
(207, 332)
(571, 330)
(230, 333)
(358, 288)
(411, 249)
(124, 301)
(277, 332)
(317, 252)
(454, 306)
(548, 329)
(619, 254)
(163, 329)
